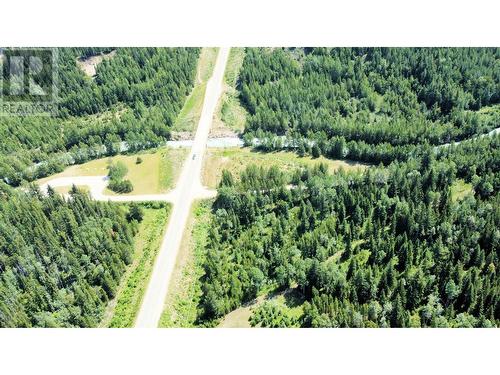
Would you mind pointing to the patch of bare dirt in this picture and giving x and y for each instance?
(240, 317)
(88, 65)
(181, 136)
(222, 132)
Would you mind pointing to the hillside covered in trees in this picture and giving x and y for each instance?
(60, 261)
(390, 247)
(369, 104)
(394, 246)
(135, 98)
(412, 241)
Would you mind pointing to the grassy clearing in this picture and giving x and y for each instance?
(234, 63)
(123, 310)
(488, 110)
(460, 189)
(66, 189)
(157, 173)
(237, 159)
(185, 290)
(206, 64)
(170, 167)
(290, 300)
(88, 65)
(191, 111)
(239, 318)
(230, 115)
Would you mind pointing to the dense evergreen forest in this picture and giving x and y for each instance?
(60, 261)
(134, 97)
(369, 104)
(393, 246)
(385, 248)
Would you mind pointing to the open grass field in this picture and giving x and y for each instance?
(185, 290)
(171, 162)
(230, 115)
(123, 310)
(157, 173)
(191, 111)
(237, 159)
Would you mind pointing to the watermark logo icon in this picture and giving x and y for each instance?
(28, 81)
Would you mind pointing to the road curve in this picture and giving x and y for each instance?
(188, 188)
(490, 134)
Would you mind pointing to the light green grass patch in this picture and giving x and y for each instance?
(206, 63)
(191, 111)
(188, 118)
(230, 113)
(123, 310)
(170, 167)
(236, 160)
(238, 318)
(489, 109)
(181, 304)
(290, 302)
(233, 66)
(157, 173)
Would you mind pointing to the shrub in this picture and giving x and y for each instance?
(121, 186)
(135, 212)
(117, 171)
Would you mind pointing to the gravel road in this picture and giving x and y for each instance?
(188, 188)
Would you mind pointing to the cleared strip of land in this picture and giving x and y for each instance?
(236, 160)
(122, 311)
(230, 116)
(181, 304)
(188, 189)
(187, 120)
